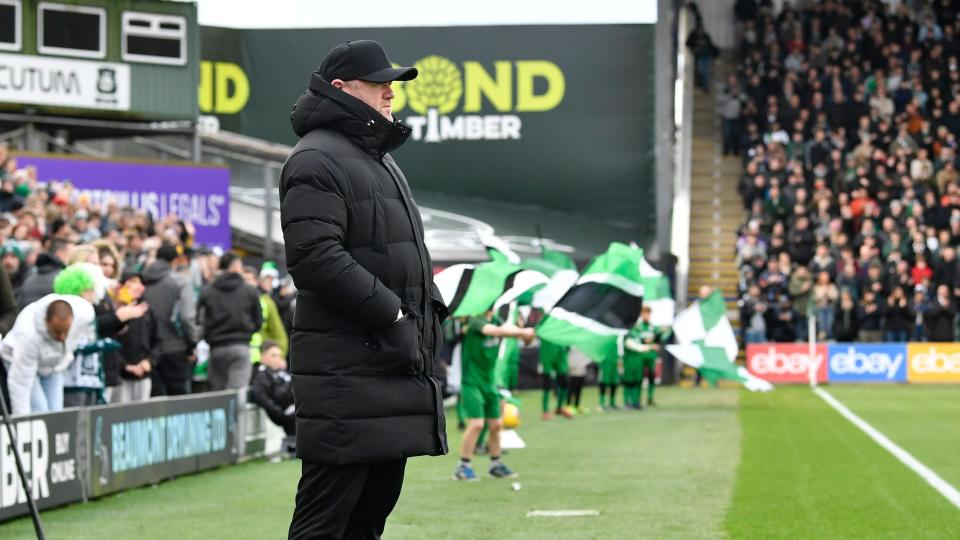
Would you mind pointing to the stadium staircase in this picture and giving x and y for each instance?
(716, 210)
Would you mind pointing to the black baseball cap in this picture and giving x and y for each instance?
(363, 59)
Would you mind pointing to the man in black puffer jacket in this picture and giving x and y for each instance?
(229, 313)
(366, 330)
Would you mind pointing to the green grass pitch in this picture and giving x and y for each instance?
(704, 464)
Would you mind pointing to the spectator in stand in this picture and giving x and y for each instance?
(752, 311)
(704, 51)
(945, 271)
(229, 313)
(781, 323)
(800, 289)
(921, 273)
(939, 316)
(824, 297)
(13, 260)
(870, 318)
(728, 106)
(272, 328)
(846, 326)
(170, 296)
(801, 241)
(272, 388)
(48, 265)
(898, 318)
(139, 343)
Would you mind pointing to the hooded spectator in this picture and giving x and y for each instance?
(170, 296)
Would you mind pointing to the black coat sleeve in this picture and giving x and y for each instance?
(8, 304)
(108, 324)
(313, 215)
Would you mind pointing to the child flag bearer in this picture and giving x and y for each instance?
(480, 401)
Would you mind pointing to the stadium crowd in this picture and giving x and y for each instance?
(108, 304)
(846, 115)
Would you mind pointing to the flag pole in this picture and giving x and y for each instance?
(812, 341)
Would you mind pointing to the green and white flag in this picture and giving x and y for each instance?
(601, 307)
(705, 340)
(562, 274)
(657, 295)
(470, 290)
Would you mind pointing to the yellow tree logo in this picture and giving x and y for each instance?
(437, 86)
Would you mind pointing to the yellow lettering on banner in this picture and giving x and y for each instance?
(478, 82)
(226, 103)
(933, 362)
(527, 72)
(205, 92)
(399, 94)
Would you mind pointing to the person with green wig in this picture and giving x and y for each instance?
(84, 379)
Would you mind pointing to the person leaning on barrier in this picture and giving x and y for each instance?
(367, 323)
(40, 347)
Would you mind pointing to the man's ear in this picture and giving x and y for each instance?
(337, 83)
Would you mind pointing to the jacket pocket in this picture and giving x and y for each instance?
(399, 346)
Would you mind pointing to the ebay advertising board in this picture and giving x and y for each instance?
(933, 362)
(786, 362)
(199, 194)
(867, 362)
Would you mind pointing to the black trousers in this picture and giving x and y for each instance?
(172, 375)
(345, 501)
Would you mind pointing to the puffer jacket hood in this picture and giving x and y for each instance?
(47, 263)
(156, 272)
(323, 106)
(228, 281)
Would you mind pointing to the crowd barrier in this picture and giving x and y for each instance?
(79, 454)
(789, 363)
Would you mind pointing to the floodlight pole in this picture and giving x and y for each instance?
(34, 513)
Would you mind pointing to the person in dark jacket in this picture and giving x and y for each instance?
(172, 301)
(229, 313)
(367, 322)
(49, 264)
(870, 318)
(140, 343)
(846, 327)
(271, 387)
(938, 320)
(8, 303)
(704, 51)
(899, 317)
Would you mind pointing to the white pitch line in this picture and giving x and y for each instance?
(563, 513)
(905, 457)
